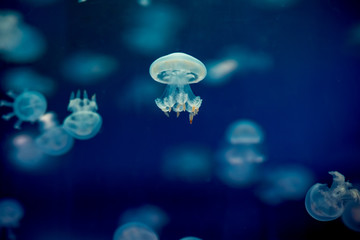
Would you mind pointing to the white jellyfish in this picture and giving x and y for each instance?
(84, 123)
(326, 204)
(11, 212)
(54, 140)
(134, 231)
(178, 70)
(27, 106)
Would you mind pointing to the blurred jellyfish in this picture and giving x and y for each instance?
(134, 231)
(273, 4)
(244, 132)
(11, 212)
(27, 106)
(24, 78)
(152, 29)
(84, 123)
(190, 163)
(236, 60)
(19, 42)
(238, 154)
(144, 3)
(88, 67)
(190, 238)
(24, 152)
(138, 95)
(54, 140)
(326, 204)
(150, 215)
(178, 70)
(284, 183)
(351, 216)
(238, 168)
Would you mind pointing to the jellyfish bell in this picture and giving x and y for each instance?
(326, 204)
(190, 238)
(244, 132)
(11, 212)
(178, 70)
(351, 216)
(134, 231)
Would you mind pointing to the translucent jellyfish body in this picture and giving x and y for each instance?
(134, 231)
(150, 215)
(351, 216)
(190, 238)
(84, 122)
(284, 183)
(11, 213)
(54, 140)
(27, 106)
(326, 204)
(178, 70)
(244, 132)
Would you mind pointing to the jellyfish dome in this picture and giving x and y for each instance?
(351, 216)
(326, 204)
(244, 132)
(190, 238)
(54, 140)
(134, 231)
(150, 215)
(178, 70)
(84, 123)
(27, 106)
(11, 212)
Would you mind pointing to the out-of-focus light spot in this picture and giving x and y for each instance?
(244, 132)
(150, 215)
(351, 216)
(190, 163)
(327, 204)
(20, 79)
(134, 231)
(190, 238)
(144, 3)
(88, 67)
(284, 183)
(19, 42)
(11, 212)
(54, 140)
(236, 60)
(24, 153)
(138, 95)
(153, 29)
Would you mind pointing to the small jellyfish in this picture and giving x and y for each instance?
(244, 132)
(351, 216)
(134, 231)
(326, 204)
(28, 106)
(54, 140)
(11, 212)
(178, 70)
(84, 123)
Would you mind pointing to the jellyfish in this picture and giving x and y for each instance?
(28, 106)
(54, 140)
(134, 231)
(326, 204)
(244, 132)
(150, 215)
(84, 123)
(178, 70)
(351, 216)
(11, 212)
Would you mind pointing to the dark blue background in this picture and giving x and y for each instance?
(307, 105)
